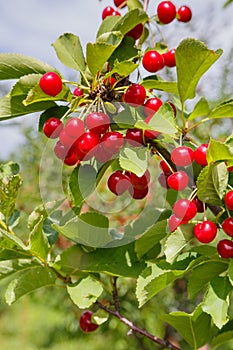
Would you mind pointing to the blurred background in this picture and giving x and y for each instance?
(47, 320)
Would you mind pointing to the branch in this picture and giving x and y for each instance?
(136, 329)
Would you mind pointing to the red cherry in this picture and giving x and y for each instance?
(135, 95)
(152, 61)
(66, 139)
(165, 167)
(205, 232)
(74, 128)
(139, 193)
(225, 248)
(85, 322)
(229, 200)
(184, 209)
(52, 127)
(51, 83)
(166, 12)
(151, 106)
(78, 91)
(140, 182)
(169, 58)
(184, 14)
(120, 3)
(110, 81)
(97, 122)
(101, 154)
(112, 142)
(182, 156)
(227, 226)
(173, 107)
(178, 181)
(162, 178)
(109, 11)
(60, 150)
(199, 154)
(174, 223)
(136, 32)
(118, 183)
(87, 144)
(71, 159)
(134, 137)
(150, 134)
(199, 204)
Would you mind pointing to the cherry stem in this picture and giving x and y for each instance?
(116, 313)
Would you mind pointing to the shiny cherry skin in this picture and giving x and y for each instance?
(184, 14)
(87, 144)
(140, 182)
(135, 95)
(184, 209)
(75, 128)
(120, 3)
(152, 61)
(162, 179)
(118, 183)
(227, 226)
(52, 127)
(178, 181)
(225, 248)
(151, 106)
(140, 193)
(182, 156)
(165, 167)
(51, 83)
(169, 58)
(136, 32)
(199, 154)
(134, 137)
(174, 223)
(166, 12)
(205, 232)
(199, 204)
(109, 11)
(61, 151)
(112, 142)
(97, 122)
(85, 322)
(78, 91)
(228, 199)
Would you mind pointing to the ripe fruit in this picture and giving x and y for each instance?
(162, 178)
(51, 83)
(169, 58)
(184, 209)
(166, 12)
(66, 139)
(110, 81)
(151, 106)
(118, 183)
(199, 204)
(174, 222)
(52, 127)
(205, 232)
(184, 14)
(60, 150)
(135, 95)
(87, 143)
(178, 181)
(97, 122)
(136, 32)
(229, 200)
(165, 167)
(150, 134)
(112, 142)
(182, 156)
(134, 137)
(109, 11)
(140, 182)
(86, 323)
(74, 128)
(225, 248)
(227, 226)
(199, 154)
(119, 3)
(78, 91)
(152, 61)
(140, 193)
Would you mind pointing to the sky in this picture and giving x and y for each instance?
(31, 28)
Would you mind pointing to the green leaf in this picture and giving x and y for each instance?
(162, 121)
(195, 328)
(10, 183)
(126, 118)
(89, 229)
(201, 109)
(28, 280)
(98, 53)
(123, 68)
(86, 292)
(82, 183)
(152, 82)
(216, 307)
(13, 239)
(193, 59)
(212, 183)
(130, 20)
(218, 151)
(38, 243)
(134, 160)
(132, 4)
(203, 274)
(227, 3)
(69, 51)
(107, 25)
(118, 261)
(150, 238)
(221, 339)
(125, 51)
(14, 66)
(224, 110)
(175, 243)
